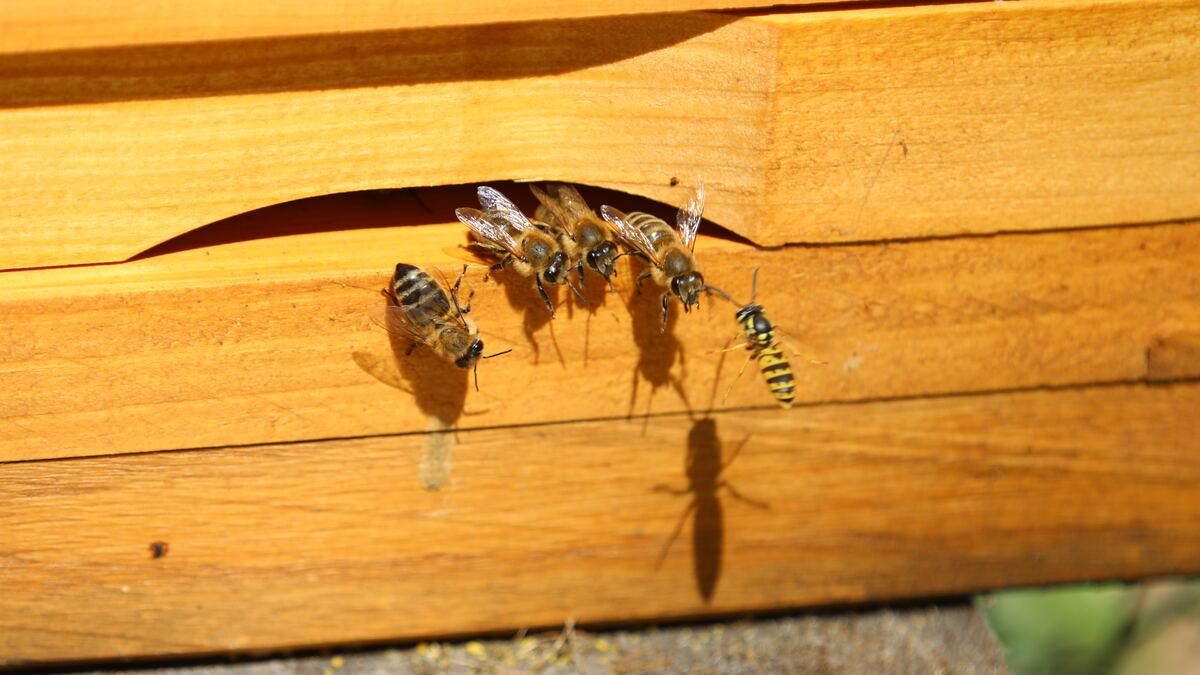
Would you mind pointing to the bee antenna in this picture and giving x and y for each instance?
(476, 371)
(492, 356)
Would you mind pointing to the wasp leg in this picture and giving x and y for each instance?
(666, 304)
(741, 344)
(739, 376)
(545, 298)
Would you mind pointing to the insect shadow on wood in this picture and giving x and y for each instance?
(523, 296)
(703, 468)
(658, 352)
(438, 386)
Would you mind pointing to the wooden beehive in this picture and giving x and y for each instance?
(979, 218)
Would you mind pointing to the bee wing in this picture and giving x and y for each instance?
(499, 206)
(627, 233)
(398, 323)
(571, 201)
(561, 218)
(688, 218)
(486, 228)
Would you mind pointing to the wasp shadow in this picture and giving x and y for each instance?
(703, 468)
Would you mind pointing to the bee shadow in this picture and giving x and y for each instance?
(438, 386)
(703, 468)
(658, 349)
(522, 295)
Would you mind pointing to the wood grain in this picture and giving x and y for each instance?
(324, 543)
(821, 126)
(76, 24)
(272, 339)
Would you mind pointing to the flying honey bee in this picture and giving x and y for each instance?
(588, 239)
(672, 263)
(428, 314)
(504, 232)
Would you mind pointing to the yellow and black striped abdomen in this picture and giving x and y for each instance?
(778, 373)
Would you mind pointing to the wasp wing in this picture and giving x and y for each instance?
(627, 233)
(688, 218)
(488, 229)
(499, 206)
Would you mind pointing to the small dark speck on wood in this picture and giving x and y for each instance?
(158, 549)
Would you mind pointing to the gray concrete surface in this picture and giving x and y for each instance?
(930, 640)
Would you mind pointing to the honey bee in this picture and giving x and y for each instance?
(673, 265)
(761, 342)
(587, 237)
(504, 232)
(428, 314)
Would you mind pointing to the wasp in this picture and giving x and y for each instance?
(428, 314)
(587, 237)
(761, 342)
(503, 231)
(669, 250)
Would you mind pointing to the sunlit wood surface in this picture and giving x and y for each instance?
(837, 125)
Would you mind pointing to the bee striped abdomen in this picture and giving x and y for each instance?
(778, 373)
(417, 293)
(656, 229)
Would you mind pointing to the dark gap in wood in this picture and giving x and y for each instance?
(399, 207)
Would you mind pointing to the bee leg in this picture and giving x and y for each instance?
(642, 277)
(545, 298)
(666, 303)
(497, 267)
(466, 309)
(462, 309)
(408, 352)
(578, 294)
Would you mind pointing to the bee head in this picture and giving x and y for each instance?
(603, 258)
(687, 287)
(557, 269)
(472, 355)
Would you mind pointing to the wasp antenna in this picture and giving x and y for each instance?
(713, 289)
(754, 286)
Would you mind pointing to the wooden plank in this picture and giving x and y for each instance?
(274, 337)
(324, 543)
(1043, 115)
(76, 24)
